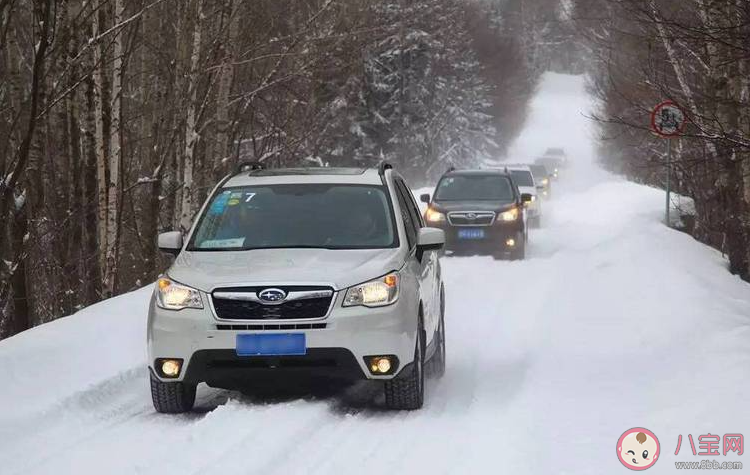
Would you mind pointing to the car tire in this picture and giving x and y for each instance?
(436, 365)
(519, 253)
(406, 391)
(173, 397)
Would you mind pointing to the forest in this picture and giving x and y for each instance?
(117, 117)
(697, 54)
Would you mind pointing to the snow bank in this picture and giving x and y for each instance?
(43, 366)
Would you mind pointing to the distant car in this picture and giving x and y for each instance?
(555, 152)
(524, 179)
(554, 159)
(481, 212)
(553, 164)
(542, 181)
(318, 273)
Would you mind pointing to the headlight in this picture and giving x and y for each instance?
(376, 293)
(432, 216)
(173, 296)
(545, 181)
(510, 215)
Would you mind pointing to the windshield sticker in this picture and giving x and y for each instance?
(234, 198)
(217, 207)
(223, 243)
(249, 197)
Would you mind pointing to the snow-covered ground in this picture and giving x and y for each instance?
(613, 322)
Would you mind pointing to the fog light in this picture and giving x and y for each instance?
(510, 242)
(381, 364)
(170, 368)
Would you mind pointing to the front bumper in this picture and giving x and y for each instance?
(494, 240)
(336, 345)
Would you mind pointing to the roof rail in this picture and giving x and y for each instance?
(249, 166)
(450, 169)
(383, 166)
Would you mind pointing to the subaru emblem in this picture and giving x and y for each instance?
(272, 296)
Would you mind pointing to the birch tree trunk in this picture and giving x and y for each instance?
(191, 135)
(226, 78)
(115, 158)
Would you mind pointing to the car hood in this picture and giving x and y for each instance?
(449, 206)
(527, 189)
(205, 270)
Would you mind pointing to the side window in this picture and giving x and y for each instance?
(406, 215)
(516, 190)
(414, 208)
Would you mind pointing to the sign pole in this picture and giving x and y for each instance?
(669, 173)
(668, 121)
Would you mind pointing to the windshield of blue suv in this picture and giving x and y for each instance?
(296, 216)
(474, 188)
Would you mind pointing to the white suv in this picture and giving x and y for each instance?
(526, 183)
(292, 273)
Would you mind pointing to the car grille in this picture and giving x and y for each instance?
(469, 218)
(242, 303)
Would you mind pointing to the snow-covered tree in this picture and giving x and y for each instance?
(419, 100)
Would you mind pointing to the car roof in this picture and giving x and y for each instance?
(555, 151)
(518, 166)
(538, 167)
(477, 172)
(314, 175)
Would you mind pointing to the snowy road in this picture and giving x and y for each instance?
(613, 322)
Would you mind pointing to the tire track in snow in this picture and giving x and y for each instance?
(93, 412)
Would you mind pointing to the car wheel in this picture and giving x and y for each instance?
(407, 391)
(173, 397)
(519, 253)
(436, 365)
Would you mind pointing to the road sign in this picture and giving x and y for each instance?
(668, 119)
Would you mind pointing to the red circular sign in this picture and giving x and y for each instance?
(668, 119)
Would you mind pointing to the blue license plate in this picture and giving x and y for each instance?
(471, 234)
(271, 344)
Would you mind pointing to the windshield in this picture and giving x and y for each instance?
(474, 188)
(522, 177)
(296, 216)
(539, 172)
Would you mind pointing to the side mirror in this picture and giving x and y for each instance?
(430, 239)
(170, 243)
(425, 198)
(526, 197)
